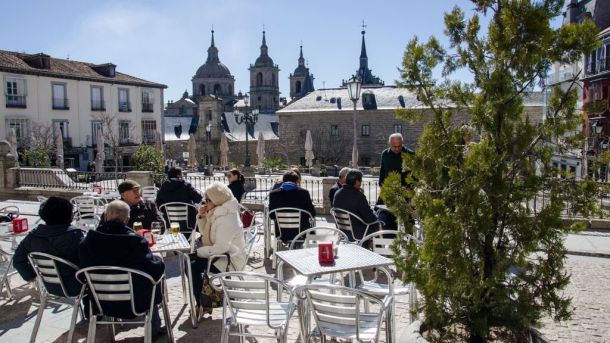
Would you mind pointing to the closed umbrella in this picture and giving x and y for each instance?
(224, 151)
(59, 152)
(101, 156)
(260, 149)
(192, 149)
(309, 156)
(12, 140)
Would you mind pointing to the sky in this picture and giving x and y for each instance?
(167, 41)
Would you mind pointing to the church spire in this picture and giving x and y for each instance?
(264, 49)
(364, 60)
(301, 59)
(212, 52)
(212, 38)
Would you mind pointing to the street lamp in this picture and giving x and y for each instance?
(353, 89)
(208, 132)
(249, 118)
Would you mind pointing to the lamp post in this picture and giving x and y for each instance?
(353, 89)
(249, 118)
(208, 133)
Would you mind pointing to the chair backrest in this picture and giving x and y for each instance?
(289, 218)
(149, 193)
(12, 210)
(336, 308)
(344, 218)
(177, 212)
(87, 221)
(250, 234)
(380, 242)
(311, 237)
(111, 285)
(248, 291)
(47, 268)
(84, 205)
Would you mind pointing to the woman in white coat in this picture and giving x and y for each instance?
(221, 234)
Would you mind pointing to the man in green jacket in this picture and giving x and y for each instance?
(391, 158)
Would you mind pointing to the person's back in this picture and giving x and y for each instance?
(56, 237)
(351, 199)
(176, 189)
(291, 195)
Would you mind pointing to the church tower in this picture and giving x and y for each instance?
(213, 77)
(364, 73)
(301, 81)
(264, 88)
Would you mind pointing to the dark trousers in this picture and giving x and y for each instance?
(199, 266)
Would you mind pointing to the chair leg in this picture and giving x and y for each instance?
(148, 329)
(92, 327)
(112, 330)
(166, 318)
(241, 331)
(43, 304)
(75, 311)
(225, 334)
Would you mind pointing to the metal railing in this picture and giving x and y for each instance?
(98, 105)
(61, 104)
(61, 179)
(147, 107)
(124, 106)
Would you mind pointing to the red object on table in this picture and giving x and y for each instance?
(325, 252)
(149, 236)
(20, 225)
(98, 189)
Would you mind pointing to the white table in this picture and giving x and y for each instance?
(169, 242)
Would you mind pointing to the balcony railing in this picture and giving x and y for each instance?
(15, 101)
(147, 107)
(68, 142)
(98, 105)
(60, 104)
(125, 106)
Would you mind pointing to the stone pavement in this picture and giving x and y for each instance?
(588, 289)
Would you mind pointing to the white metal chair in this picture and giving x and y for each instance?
(112, 285)
(254, 300)
(178, 212)
(52, 288)
(344, 220)
(6, 271)
(86, 222)
(338, 313)
(149, 193)
(88, 206)
(288, 219)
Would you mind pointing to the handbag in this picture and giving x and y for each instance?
(210, 297)
(247, 217)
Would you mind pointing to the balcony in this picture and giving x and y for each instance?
(15, 101)
(98, 105)
(68, 142)
(147, 107)
(61, 104)
(125, 106)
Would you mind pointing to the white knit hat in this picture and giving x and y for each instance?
(218, 193)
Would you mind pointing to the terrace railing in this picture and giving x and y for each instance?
(61, 179)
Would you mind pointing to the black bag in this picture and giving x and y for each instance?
(7, 218)
(210, 297)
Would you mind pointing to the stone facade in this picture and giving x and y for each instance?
(264, 86)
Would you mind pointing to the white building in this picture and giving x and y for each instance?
(77, 99)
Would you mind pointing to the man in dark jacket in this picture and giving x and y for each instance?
(338, 185)
(351, 198)
(176, 189)
(289, 194)
(391, 158)
(55, 237)
(115, 244)
(144, 211)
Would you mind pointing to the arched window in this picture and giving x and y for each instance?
(297, 87)
(201, 89)
(216, 88)
(259, 79)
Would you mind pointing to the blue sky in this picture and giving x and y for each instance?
(166, 41)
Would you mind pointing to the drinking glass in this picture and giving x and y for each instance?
(175, 228)
(155, 228)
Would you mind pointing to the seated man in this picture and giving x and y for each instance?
(115, 244)
(144, 211)
(351, 198)
(55, 237)
(176, 189)
(289, 194)
(338, 185)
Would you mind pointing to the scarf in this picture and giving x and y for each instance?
(207, 229)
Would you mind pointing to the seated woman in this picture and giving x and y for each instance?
(236, 183)
(221, 234)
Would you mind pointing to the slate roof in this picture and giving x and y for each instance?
(170, 125)
(267, 124)
(13, 62)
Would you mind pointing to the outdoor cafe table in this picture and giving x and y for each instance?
(350, 258)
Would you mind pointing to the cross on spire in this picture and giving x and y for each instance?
(363, 26)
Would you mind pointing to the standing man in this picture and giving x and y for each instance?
(391, 158)
(144, 211)
(338, 185)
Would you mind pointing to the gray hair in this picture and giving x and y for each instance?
(353, 176)
(343, 172)
(117, 210)
(395, 135)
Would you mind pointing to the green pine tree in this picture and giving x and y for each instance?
(489, 267)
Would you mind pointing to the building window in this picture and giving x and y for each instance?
(148, 131)
(217, 89)
(398, 128)
(97, 98)
(124, 105)
(273, 79)
(96, 126)
(147, 101)
(365, 130)
(297, 87)
(123, 132)
(209, 115)
(15, 92)
(21, 126)
(61, 127)
(202, 89)
(259, 79)
(60, 99)
(334, 130)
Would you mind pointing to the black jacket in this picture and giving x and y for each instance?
(350, 199)
(145, 212)
(114, 244)
(333, 191)
(58, 240)
(291, 196)
(178, 190)
(237, 188)
(391, 162)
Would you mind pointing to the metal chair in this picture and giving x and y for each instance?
(149, 193)
(6, 271)
(112, 285)
(338, 313)
(344, 218)
(252, 299)
(178, 212)
(86, 222)
(288, 218)
(52, 287)
(88, 206)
